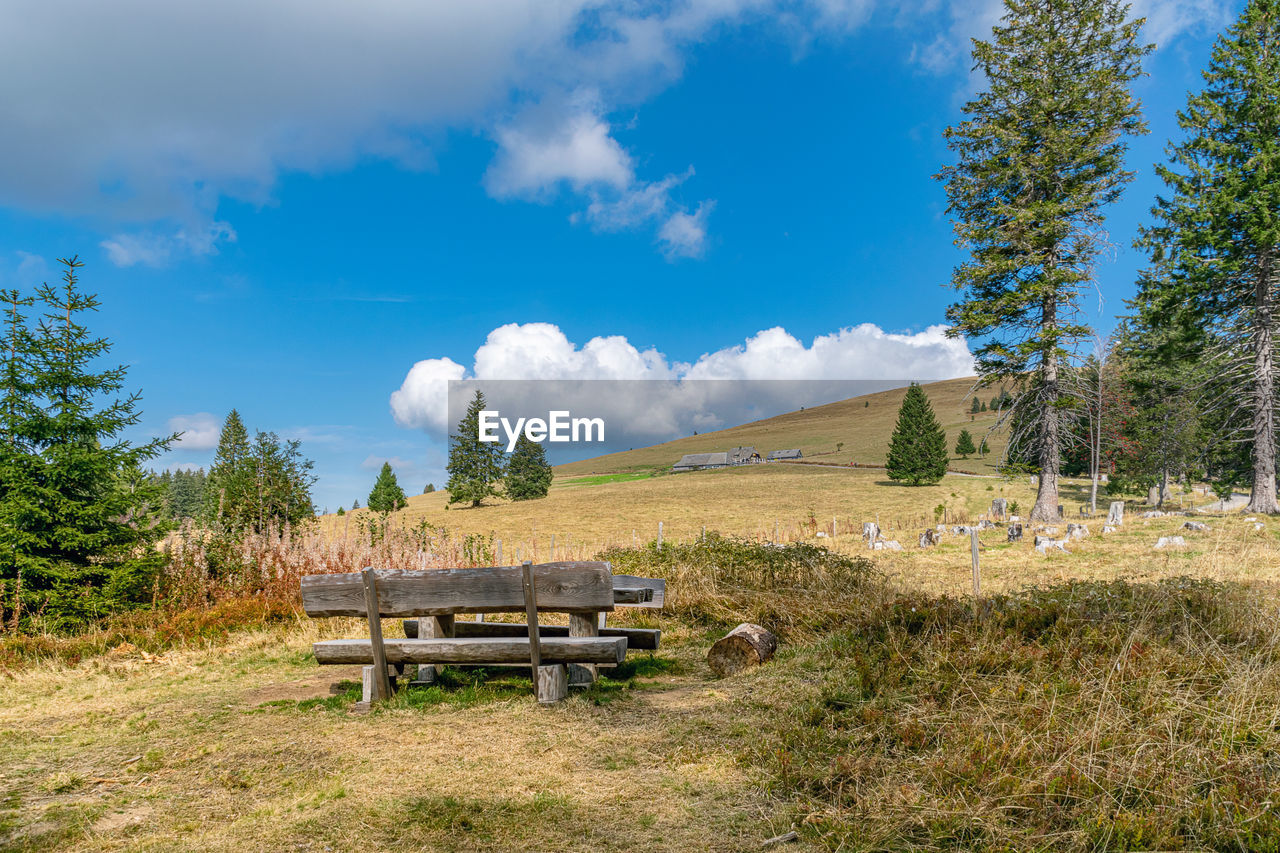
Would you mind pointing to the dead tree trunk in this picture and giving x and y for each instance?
(1263, 498)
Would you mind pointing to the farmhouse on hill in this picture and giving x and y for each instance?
(744, 456)
(775, 455)
(701, 461)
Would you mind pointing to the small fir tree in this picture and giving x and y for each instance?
(528, 474)
(918, 448)
(475, 466)
(387, 496)
(964, 444)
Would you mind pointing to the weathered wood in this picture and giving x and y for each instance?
(567, 586)
(475, 650)
(551, 684)
(381, 681)
(977, 579)
(582, 625)
(1115, 514)
(367, 688)
(631, 595)
(1015, 532)
(531, 612)
(745, 646)
(638, 639)
(657, 585)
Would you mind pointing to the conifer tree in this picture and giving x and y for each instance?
(228, 497)
(975, 407)
(964, 444)
(1039, 157)
(387, 496)
(1212, 292)
(918, 448)
(431, 487)
(475, 466)
(528, 473)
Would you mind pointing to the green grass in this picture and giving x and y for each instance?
(598, 479)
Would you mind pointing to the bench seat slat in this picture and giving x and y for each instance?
(657, 585)
(475, 650)
(638, 639)
(564, 587)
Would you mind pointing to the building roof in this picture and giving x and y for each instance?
(793, 453)
(741, 454)
(702, 460)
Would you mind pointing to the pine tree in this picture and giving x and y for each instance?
(431, 487)
(918, 448)
(975, 408)
(387, 496)
(964, 444)
(1212, 290)
(528, 473)
(475, 466)
(229, 492)
(1040, 156)
(85, 509)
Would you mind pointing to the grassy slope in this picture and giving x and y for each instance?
(863, 424)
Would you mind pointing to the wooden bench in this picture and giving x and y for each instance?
(584, 590)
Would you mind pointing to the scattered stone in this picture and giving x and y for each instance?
(1015, 532)
(1115, 515)
(1197, 526)
(1169, 542)
(960, 530)
(986, 525)
(929, 538)
(1154, 513)
(1258, 525)
(1077, 531)
(886, 545)
(1107, 528)
(821, 535)
(1252, 518)
(1044, 544)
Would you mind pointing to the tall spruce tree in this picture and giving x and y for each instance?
(1039, 157)
(918, 447)
(387, 496)
(528, 472)
(1210, 294)
(228, 494)
(475, 466)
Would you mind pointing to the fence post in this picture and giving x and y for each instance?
(977, 582)
(659, 535)
(553, 549)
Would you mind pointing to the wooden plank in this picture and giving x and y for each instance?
(566, 587)
(550, 684)
(632, 594)
(531, 612)
(381, 681)
(658, 585)
(475, 650)
(582, 625)
(638, 639)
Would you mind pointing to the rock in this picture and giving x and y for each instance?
(744, 647)
(929, 538)
(1044, 545)
(1153, 513)
(1107, 528)
(1258, 525)
(1015, 532)
(1169, 542)
(960, 530)
(999, 507)
(1115, 515)
(986, 525)
(1252, 518)
(821, 535)
(886, 545)
(1015, 518)
(1197, 526)
(1077, 531)
(870, 532)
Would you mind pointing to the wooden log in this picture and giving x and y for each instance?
(582, 625)
(551, 684)
(568, 586)
(475, 650)
(381, 681)
(638, 639)
(745, 646)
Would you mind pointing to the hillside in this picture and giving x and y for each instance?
(862, 424)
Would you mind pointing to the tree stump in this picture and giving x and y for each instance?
(1015, 532)
(1115, 515)
(999, 507)
(745, 646)
(929, 538)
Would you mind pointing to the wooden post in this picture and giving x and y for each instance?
(381, 681)
(531, 611)
(833, 527)
(498, 544)
(659, 535)
(977, 583)
(704, 534)
(553, 548)
(775, 531)
(583, 625)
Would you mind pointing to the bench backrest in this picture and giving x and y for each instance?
(575, 587)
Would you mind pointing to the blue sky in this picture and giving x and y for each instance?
(285, 211)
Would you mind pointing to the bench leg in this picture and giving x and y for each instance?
(553, 684)
(582, 625)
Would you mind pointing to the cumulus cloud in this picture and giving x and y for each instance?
(677, 396)
(146, 114)
(199, 431)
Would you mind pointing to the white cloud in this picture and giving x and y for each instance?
(684, 235)
(155, 111)
(199, 431)
(541, 351)
(399, 465)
